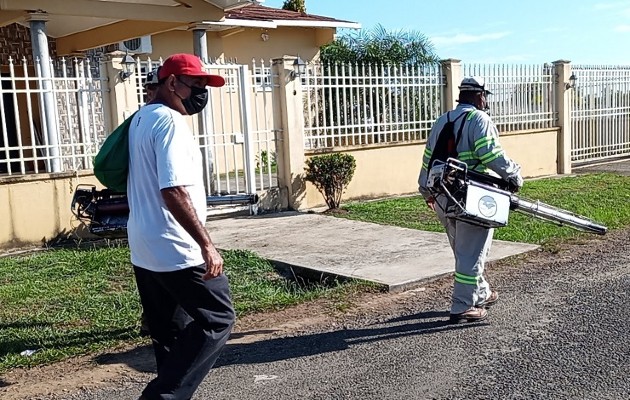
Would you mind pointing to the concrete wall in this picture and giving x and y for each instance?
(246, 44)
(36, 208)
(393, 170)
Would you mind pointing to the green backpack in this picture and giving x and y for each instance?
(111, 164)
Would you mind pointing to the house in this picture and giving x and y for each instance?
(59, 101)
(250, 32)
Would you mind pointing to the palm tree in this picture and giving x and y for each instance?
(395, 60)
(377, 45)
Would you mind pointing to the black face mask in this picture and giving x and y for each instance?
(197, 100)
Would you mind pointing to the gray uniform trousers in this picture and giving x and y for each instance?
(470, 244)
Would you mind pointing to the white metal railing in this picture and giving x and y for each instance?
(523, 96)
(237, 131)
(600, 112)
(51, 125)
(350, 104)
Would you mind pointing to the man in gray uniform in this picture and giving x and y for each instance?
(479, 148)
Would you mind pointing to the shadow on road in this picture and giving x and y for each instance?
(284, 348)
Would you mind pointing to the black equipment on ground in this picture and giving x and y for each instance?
(106, 213)
(485, 200)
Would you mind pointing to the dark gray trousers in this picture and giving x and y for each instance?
(190, 321)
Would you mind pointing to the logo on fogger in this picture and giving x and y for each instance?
(487, 206)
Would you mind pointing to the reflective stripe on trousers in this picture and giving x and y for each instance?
(470, 244)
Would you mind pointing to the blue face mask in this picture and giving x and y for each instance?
(197, 100)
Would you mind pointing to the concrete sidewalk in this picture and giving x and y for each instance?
(396, 257)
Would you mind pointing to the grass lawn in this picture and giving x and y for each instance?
(64, 303)
(604, 198)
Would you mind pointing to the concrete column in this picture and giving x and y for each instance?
(563, 106)
(206, 141)
(200, 44)
(123, 95)
(290, 158)
(452, 70)
(37, 24)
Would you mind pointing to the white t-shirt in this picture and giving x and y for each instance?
(162, 153)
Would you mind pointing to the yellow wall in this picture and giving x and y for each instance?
(36, 208)
(165, 44)
(535, 151)
(390, 171)
(246, 44)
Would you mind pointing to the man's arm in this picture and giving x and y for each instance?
(178, 202)
(488, 149)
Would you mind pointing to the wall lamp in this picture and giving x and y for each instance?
(128, 67)
(571, 83)
(299, 68)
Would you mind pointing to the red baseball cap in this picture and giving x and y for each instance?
(188, 64)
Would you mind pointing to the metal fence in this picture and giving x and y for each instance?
(350, 104)
(522, 95)
(237, 130)
(51, 125)
(600, 113)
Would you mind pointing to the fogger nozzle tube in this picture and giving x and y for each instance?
(553, 214)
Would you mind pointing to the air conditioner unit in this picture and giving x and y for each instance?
(141, 45)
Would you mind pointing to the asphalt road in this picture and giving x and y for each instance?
(560, 331)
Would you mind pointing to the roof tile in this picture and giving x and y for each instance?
(256, 12)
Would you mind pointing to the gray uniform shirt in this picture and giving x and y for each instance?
(478, 147)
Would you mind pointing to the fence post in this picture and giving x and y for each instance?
(452, 70)
(291, 159)
(563, 107)
(123, 94)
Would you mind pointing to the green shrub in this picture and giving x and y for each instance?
(263, 163)
(331, 174)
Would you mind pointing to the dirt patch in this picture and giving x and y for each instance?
(133, 364)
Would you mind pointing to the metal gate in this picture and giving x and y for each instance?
(600, 113)
(236, 131)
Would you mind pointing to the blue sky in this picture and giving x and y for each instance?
(494, 31)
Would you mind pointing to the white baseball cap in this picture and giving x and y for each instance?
(473, 84)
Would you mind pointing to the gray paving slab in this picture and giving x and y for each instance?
(621, 167)
(396, 257)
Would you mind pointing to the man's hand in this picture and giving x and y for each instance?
(214, 262)
(431, 203)
(515, 183)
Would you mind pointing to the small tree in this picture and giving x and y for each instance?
(331, 174)
(295, 5)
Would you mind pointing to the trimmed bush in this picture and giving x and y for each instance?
(331, 174)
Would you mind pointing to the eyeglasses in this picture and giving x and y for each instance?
(189, 86)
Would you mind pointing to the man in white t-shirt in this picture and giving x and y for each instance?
(179, 272)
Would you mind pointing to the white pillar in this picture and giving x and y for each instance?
(123, 95)
(200, 43)
(37, 22)
(563, 106)
(200, 49)
(452, 70)
(291, 159)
